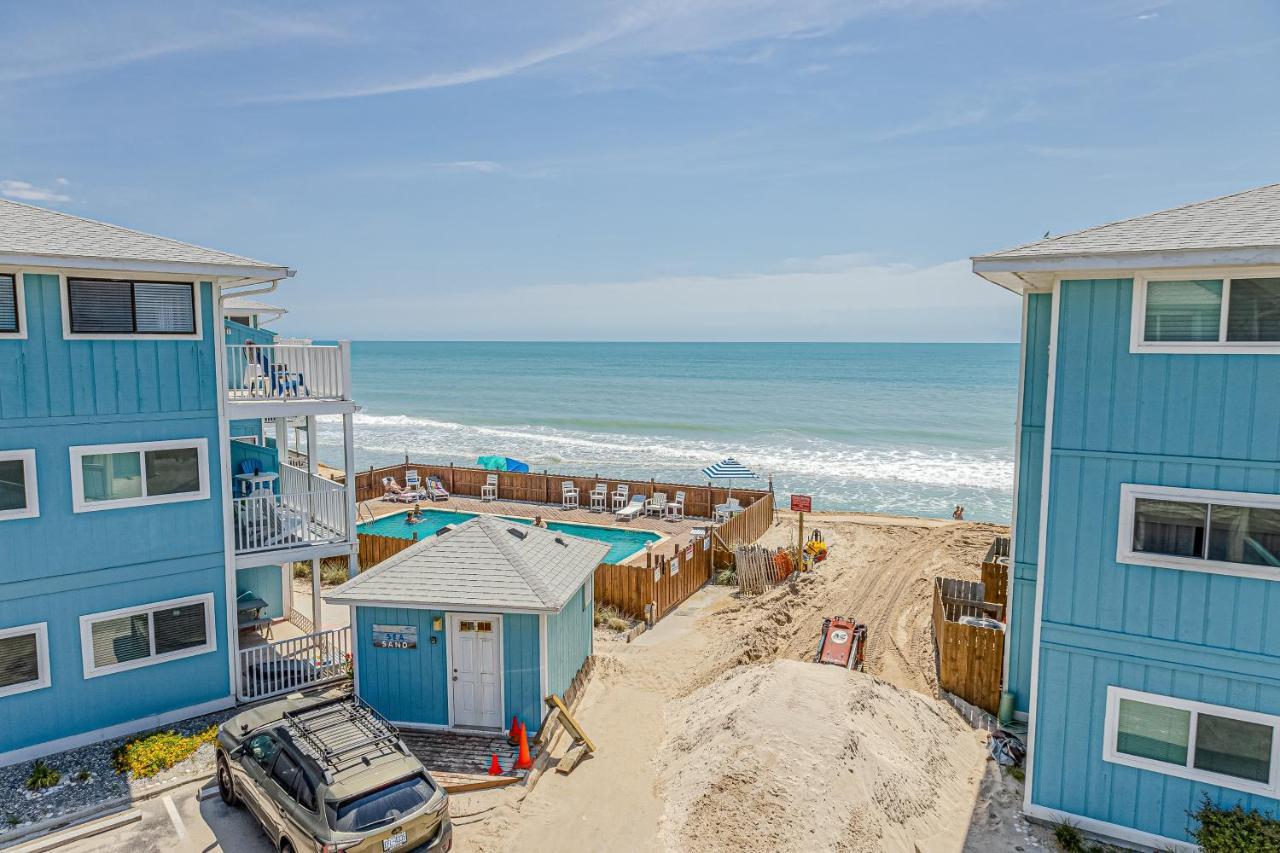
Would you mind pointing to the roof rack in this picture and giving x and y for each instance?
(341, 731)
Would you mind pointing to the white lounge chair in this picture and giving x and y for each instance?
(656, 505)
(568, 495)
(390, 487)
(620, 496)
(262, 523)
(675, 508)
(489, 491)
(436, 490)
(412, 481)
(599, 497)
(631, 510)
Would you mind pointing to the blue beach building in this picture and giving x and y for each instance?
(154, 491)
(469, 628)
(1144, 644)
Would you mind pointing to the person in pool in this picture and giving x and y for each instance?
(414, 516)
(538, 522)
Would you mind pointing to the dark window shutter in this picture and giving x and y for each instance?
(100, 307)
(19, 660)
(8, 304)
(179, 628)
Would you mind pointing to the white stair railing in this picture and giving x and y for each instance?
(285, 666)
(265, 522)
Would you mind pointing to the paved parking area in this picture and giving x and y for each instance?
(178, 822)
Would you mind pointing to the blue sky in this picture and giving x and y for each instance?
(635, 169)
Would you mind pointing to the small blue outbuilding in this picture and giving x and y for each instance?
(467, 629)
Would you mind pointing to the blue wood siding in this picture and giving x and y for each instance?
(405, 685)
(569, 636)
(249, 427)
(265, 582)
(1026, 540)
(266, 459)
(56, 394)
(1199, 421)
(522, 673)
(74, 705)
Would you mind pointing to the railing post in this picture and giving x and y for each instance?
(348, 457)
(344, 356)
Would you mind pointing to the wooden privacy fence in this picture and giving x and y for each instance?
(653, 590)
(544, 487)
(743, 529)
(374, 549)
(970, 657)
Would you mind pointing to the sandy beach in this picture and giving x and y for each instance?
(711, 727)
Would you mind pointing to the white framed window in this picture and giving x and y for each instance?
(1211, 314)
(1207, 743)
(24, 658)
(19, 497)
(133, 637)
(114, 309)
(246, 439)
(13, 306)
(1231, 533)
(112, 476)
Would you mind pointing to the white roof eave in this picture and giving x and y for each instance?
(241, 271)
(469, 607)
(1021, 274)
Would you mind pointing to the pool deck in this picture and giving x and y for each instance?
(675, 533)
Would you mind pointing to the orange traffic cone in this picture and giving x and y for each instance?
(495, 769)
(513, 733)
(524, 761)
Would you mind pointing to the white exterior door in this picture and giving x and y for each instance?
(475, 648)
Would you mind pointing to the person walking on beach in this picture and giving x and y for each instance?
(958, 515)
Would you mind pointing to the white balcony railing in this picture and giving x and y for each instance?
(309, 510)
(288, 665)
(268, 372)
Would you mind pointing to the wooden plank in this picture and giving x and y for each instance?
(548, 727)
(567, 720)
(571, 758)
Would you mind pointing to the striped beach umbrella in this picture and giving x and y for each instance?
(729, 469)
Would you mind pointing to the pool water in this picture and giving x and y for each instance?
(622, 543)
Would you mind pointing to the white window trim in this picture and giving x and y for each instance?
(41, 630)
(1137, 331)
(78, 502)
(67, 334)
(19, 294)
(86, 635)
(1188, 771)
(28, 459)
(1131, 492)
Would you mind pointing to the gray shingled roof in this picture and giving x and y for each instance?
(1244, 220)
(485, 563)
(26, 230)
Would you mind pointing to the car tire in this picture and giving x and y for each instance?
(226, 785)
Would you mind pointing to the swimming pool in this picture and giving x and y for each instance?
(622, 543)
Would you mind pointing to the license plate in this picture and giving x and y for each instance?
(397, 840)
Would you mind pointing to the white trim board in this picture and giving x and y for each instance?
(1047, 466)
(1105, 830)
(1138, 343)
(20, 298)
(43, 673)
(30, 487)
(26, 753)
(78, 452)
(86, 635)
(1132, 492)
(1110, 754)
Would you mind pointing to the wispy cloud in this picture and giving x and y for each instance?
(948, 118)
(25, 191)
(486, 167)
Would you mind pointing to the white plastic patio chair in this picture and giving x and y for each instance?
(675, 508)
(599, 496)
(489, 491)
(631, 510)
(620, 496)
(568, 495)
(656, 505)
(436, 490)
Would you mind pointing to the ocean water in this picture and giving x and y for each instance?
(898, 428)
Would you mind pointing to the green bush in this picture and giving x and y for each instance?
(1069, 837)
(1234, 830)
(42, 776)
(148, 755)
(727, 577)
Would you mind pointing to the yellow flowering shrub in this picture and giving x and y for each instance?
(148, 755)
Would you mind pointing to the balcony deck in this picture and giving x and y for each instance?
(266, 380)
(303, 512)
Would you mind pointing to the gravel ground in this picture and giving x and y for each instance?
(20, 806)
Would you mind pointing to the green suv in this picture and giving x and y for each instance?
(329, 774)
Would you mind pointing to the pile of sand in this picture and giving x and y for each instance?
(799, 756)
